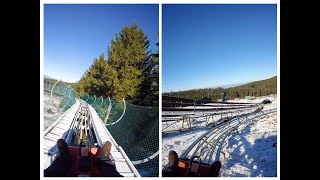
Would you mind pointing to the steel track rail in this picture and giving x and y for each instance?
(223, 113)
(213, 141)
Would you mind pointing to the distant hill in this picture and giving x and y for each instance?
(230, 85)
(270, 83)
(256, 88)
(51, 80)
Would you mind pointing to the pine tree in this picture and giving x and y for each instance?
(126, 56)
(121, 75)
(149, 88)
(97, 79)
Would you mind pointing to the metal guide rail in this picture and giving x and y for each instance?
(123, 163)
(209, 117)
(60, 129)
(211, 142)
(81, 122)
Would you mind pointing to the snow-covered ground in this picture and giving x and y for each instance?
(252, 152)
(179, 142)
(51, 110)
(257, 100)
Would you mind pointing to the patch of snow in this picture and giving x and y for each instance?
(179, 142)
(51, 111)
(253, 152)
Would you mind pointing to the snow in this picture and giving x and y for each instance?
(179, 142)
(251, 153)
(257, 100)
(51, 110)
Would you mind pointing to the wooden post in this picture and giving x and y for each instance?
(194, 107)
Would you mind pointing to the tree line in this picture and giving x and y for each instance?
(257, 88)
(129, 71)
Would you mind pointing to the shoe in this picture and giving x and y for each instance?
(173, 159)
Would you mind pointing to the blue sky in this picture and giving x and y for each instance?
(75, 34)
(211, 45)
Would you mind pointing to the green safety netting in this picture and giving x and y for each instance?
(62, 99)
(134, 128)
(137, 132)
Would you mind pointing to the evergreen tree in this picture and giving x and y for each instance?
(261, 88)
(126, 56)
(122, 74)
(149, 88)
(97, 79)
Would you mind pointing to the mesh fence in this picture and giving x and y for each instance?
(135, 129)
(62, 99)
(138, 134)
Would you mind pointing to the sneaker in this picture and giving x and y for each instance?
(173, 159)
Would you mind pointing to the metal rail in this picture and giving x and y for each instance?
(248, 121)
(108, 106)
(94, 100)
(124, 111)
(207, 116)
(212, 141)
(52, 88)
(81, 122)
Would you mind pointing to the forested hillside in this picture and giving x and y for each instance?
(256, 88)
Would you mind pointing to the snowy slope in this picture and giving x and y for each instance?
(179, 142)
(252, 152)
(53, 108)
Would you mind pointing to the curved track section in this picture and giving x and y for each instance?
(211, 142)
(211, 116)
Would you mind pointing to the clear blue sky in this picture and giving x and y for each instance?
(211, 45)
(75, 34)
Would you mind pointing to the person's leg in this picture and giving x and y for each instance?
(215, 168)
(55, 169)
(48, 172)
